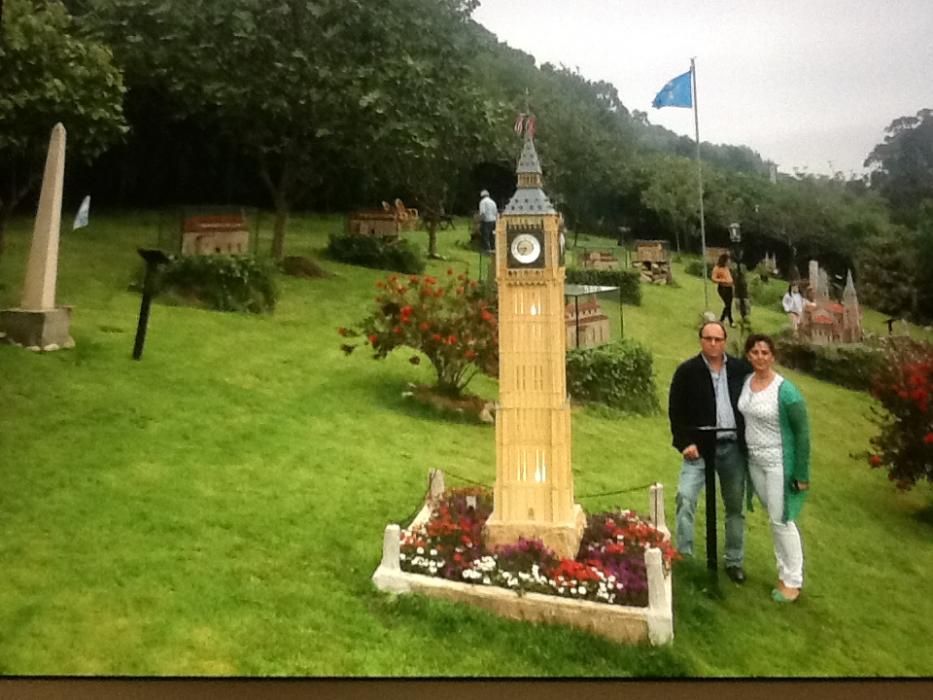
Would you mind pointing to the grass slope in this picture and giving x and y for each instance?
(218, 508)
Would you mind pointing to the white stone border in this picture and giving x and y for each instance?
(621, 623)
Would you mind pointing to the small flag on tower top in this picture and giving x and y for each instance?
(677, 93)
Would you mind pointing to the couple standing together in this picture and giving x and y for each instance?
(761, 432)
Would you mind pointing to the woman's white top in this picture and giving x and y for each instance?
(762, 420)
(793, 303)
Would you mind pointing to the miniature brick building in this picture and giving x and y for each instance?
(592, 324)
(218, 234)
(599, 260)
(653, 260)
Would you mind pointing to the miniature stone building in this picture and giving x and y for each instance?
(599, 260)
(827, 322)
(653, 260)
(215, 234)
(592, 324)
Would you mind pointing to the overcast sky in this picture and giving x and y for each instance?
(805, 83)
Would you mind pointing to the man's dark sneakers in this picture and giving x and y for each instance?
(736, 573)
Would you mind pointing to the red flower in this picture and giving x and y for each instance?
(397, 330)
(406, 310)
(875, 460)
(424, 325)
(469, 354)
(451, 340)
(373, 338)
(928, 439)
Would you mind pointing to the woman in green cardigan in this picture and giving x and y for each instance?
(778, 436)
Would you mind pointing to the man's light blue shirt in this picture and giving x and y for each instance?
(725, 417)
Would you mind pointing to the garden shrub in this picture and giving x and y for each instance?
(850, 365)
(373, 251)
(904, 447)
(628, 281)
(451, 321)
(767, 295)
(618, 374)
(221, 282)
(695, 268)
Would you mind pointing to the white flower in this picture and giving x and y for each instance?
(433, 552)
(486, 580)
(420, 550)
(582, 590)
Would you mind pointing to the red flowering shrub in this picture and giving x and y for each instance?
(902, 385)
(450, 320)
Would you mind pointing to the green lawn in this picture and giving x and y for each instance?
(218, 507)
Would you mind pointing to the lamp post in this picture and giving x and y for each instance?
(741, 284)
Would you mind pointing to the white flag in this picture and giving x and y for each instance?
(83, 211)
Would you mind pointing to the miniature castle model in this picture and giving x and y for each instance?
(533, 496)
(588, 320)
(826, 322)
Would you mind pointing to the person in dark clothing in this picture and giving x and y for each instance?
(704, 393)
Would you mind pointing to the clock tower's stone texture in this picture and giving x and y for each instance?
(534, 484)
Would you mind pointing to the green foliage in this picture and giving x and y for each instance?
(618, 374)
(902, 385)
(628, 281)
(377, 252)
(904, 164)
(222, 282)
(887, 274)
(695, 268)
(767, 294)
(447, 320)
(48, 74)
(851, 365)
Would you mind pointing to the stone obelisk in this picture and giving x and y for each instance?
(39, 324)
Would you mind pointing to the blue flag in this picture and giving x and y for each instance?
(677, 93)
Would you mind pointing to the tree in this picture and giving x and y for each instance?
(48, 74)
(305, 87)
(903, 164)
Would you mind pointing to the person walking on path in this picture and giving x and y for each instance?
(722, 276)
(778, 437)
(488, 214)
(704, 393)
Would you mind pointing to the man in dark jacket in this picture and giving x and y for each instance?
(704, 393)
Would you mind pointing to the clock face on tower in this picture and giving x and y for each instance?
(526, 248)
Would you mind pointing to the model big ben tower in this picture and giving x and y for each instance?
(533, 495)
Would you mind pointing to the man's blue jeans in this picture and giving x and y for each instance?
(730, 465)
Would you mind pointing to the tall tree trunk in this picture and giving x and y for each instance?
(278, 231)
(279, 192)
(432, 237)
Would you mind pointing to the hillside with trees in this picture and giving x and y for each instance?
(330, 105)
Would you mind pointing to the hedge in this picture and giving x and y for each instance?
(628, 281)
(376, 252)
(618, 374)
(221, 282)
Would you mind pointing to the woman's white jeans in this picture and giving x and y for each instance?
(767, 471)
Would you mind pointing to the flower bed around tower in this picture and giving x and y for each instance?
(607, 588)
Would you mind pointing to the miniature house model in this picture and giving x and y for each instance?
(587, 321)
(533, 496)
(219, 234)
(652, 259)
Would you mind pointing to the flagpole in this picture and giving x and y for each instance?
(696, 124)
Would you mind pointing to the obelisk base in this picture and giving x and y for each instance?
(562, 538)
(45, 330)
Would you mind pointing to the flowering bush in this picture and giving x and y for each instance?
(610, 566)
(449, 320)
(902, 386)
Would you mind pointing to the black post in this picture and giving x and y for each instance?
(576, 309)
(711, 555)
(153, 258)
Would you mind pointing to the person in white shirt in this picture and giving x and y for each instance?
(488, 213)
(793, 306)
